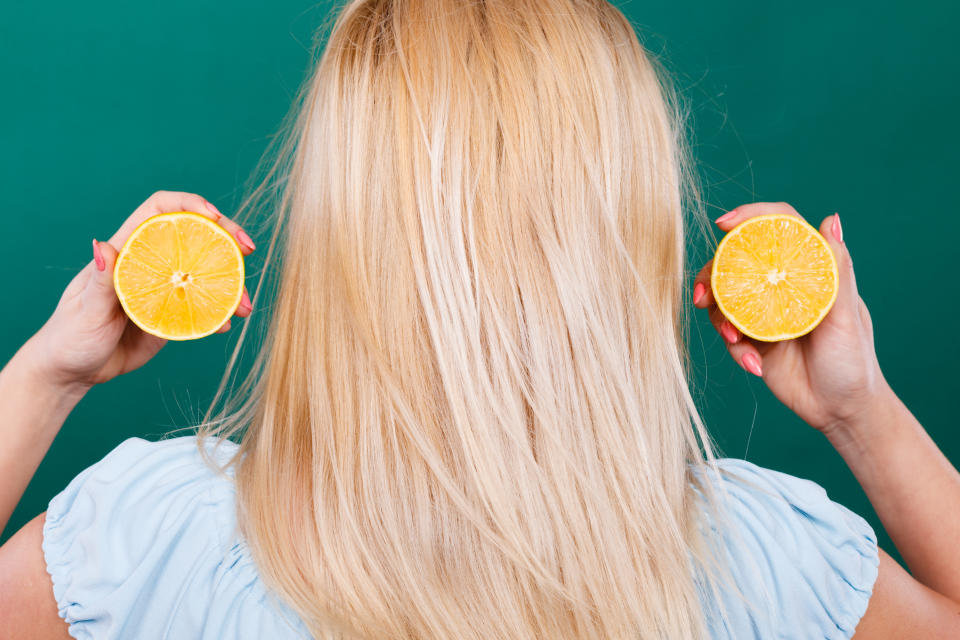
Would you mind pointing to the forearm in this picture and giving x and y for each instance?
(32, 410)
(912, 486)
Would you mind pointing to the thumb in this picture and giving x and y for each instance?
(99, 291)
(847, 297)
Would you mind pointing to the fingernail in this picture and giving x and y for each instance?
(245, 301)
(698, 292)
(726, 216)
(752, 364)
(245, 240)
(836, 229)
(213, 209)
(729, 332)
(98, 256)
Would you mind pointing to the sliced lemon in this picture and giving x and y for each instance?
(774, 277)
(179, 276)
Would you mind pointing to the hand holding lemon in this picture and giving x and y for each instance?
(784, 298)
(180, 276)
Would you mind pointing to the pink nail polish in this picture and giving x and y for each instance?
(729, 332)
(245, 240)
(213, 209)
(752, 364)
(98, 256)
(698, 292)
(726, 216)
(245, 301)
(836, 229)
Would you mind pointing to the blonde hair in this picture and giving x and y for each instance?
(470, 415)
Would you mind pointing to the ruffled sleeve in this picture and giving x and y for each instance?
(143, 544)
(804, 564)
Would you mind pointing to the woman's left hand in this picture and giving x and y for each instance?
(830, 376)
(89, 339)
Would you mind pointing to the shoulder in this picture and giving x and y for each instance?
(147, 536)
(149, 490)
(805, 564)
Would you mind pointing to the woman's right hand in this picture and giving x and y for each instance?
(831, 375)
(89, 339)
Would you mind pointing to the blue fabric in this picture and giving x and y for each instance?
(805, 564)
(143, 545)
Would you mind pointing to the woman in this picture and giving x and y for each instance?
(470, 416)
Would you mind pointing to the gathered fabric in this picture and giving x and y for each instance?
(144, 544)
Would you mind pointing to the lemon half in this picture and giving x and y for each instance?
(179, 276)
(774, 277)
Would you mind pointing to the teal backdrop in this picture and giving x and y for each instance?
(847, 107)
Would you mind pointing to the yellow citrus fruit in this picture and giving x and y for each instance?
(179, 276)
(774, 277)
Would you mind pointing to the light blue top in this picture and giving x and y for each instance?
(142, 545)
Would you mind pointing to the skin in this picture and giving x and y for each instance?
(830, 378)
(87, 341)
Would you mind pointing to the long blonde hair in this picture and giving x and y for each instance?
(469, 417)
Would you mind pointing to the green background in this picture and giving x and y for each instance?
(832, 108)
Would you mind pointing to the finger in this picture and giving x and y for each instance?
(245, 306)
(702, 291)
(745, 354)
(848, 298)
(224, 328)
(729, 333)
(99, 293)
(743, 350)
(162, 202)
(745, 211)
(170, 201)
(246, 243)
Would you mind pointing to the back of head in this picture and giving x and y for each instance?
(470, 417)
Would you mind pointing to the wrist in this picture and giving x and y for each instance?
(31, 363)
(869, 424)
